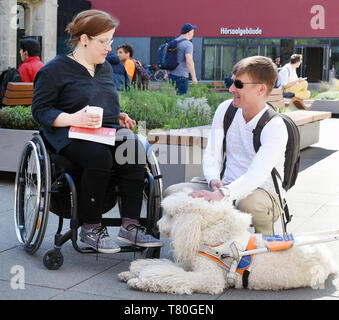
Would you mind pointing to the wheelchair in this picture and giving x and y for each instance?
(47, 182)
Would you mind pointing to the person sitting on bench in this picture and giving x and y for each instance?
(290, 82)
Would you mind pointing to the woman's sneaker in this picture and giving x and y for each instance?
(136, 234)
(98, 239)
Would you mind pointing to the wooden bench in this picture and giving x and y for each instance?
(180, 151)
(276, 99)
(218, 86)
(18, 94)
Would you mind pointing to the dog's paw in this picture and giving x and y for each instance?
(181, 290)
(136, 283)
(125, 276)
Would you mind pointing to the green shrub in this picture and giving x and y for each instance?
(202, 90)
(17, 117)
(328, 95)
(165, 109)
(161, 108)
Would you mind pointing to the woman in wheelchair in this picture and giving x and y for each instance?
(62, 90)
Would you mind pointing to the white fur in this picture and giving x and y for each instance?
(193, 222)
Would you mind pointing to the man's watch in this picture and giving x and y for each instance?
(225, 192)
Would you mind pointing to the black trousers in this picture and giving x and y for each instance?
(97, 160)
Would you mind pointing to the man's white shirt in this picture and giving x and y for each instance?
(286, 75)
(246, 170)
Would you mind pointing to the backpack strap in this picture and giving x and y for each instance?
(178, 41)
(265, 118)
(228, 118)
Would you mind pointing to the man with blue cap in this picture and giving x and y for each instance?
(179, 76)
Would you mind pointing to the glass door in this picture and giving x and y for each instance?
(253, 50)
(228, 56)
(315, 65)
(210, 61)
(218, 61)
(301, 71)
(326, 63)
(270, 51)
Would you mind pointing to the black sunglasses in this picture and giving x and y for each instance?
(239, 84)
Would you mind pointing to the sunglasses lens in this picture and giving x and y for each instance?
(238, 84)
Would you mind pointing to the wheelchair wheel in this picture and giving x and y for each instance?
(153, 194)
(32, 194)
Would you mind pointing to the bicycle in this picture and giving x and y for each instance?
(155, 73)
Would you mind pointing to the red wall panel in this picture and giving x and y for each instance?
(283, 18)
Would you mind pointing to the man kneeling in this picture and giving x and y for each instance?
(246, 175)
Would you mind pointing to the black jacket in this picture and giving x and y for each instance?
(64, 85)
(120, 76)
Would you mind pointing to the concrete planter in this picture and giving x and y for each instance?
(12, 142)
(326, 105)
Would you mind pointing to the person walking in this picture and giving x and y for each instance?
(180, 75)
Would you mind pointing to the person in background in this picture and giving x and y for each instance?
(290, 82)
(31, 63)
(277, 62)
(125, 53)
(120, 76)
(180, 75)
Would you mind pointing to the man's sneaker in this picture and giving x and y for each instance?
(136, 234)
(98, 239)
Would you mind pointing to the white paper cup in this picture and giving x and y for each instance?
(96, 110)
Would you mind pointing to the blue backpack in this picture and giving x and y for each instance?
(167, 54)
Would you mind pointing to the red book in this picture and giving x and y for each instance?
(100, 135)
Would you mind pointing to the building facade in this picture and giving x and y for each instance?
(227, 30)
(27, 18)
(230, 30)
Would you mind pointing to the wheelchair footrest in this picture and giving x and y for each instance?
(131, 248)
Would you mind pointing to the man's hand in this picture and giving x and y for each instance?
(207, 195)
(194, 81)
(215, 184)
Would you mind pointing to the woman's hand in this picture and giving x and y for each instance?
(126, 121)
(78, 119)
(83, 119)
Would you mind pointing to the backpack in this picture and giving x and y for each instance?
(9, 75)
(292, 153)
(141, 77)
(277, 82)
(167, 54)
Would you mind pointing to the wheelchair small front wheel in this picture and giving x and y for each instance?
(53, 259)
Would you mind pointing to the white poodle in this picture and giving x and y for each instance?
(197, 226)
